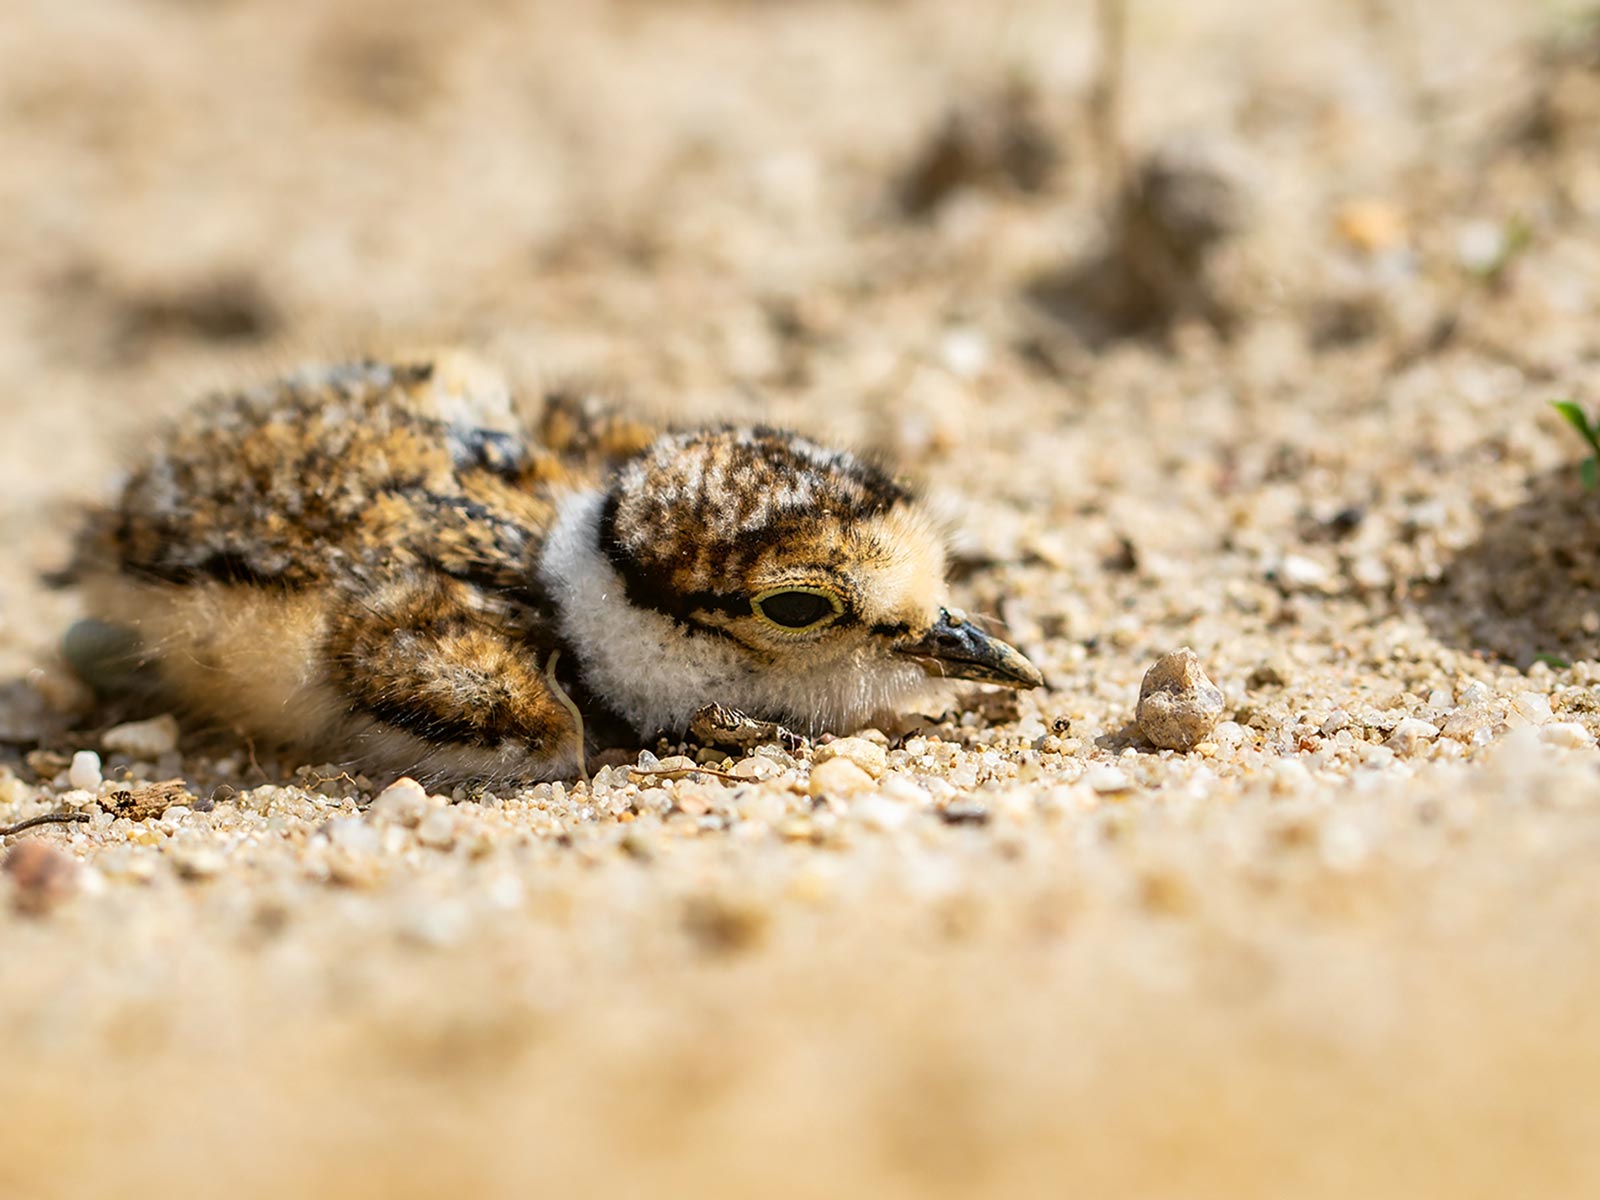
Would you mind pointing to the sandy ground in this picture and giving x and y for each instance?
(1284, 401)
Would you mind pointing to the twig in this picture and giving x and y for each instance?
(50, 818)
(250, 748)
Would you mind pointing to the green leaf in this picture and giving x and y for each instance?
(1578, 420)
(1574, 415)
(1552, 660)
(1589, 472)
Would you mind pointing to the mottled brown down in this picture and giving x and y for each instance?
(381, 564)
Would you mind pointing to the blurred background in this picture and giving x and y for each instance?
(909, 223)
(1206, 320)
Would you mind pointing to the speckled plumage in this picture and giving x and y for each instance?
(379, 564)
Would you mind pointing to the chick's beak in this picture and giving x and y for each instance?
(957, 649)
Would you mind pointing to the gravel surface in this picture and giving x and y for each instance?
(1270, 383)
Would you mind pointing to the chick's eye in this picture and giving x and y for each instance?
(795, 609)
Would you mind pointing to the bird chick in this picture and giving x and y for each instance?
(378, 564)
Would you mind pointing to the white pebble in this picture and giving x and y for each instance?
(1370, 573)
(1532, 707)
(1297, 573)
(964, 352)
(1568, 734)
(755, 767)
(1344, 846)
(438, 829)
(353, 836)
(1411, 733)
(1229, 733)
(1480, 245)
(143, 739)
(404, 802)
(883, 815)
(1106, 780)
(906, 791)
(85, 770)
(436, 923)
(1471, 723)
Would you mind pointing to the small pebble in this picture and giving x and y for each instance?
(1266, 675)
(436, 923)
(880, 813)
(1480, 245)
(838, 777)
(1532, 707)
(906, 791)
(404, 802)
(143, 740)
(1372, 225)
(84, 772)
(1107, 780)
(1297, 573)
(1179, 706)
(964, 352)
(1229, 733)
(438, 829)
(869, 756)
(41, 876)
(1472, 723)
(195, 863)
(755, 767)
(1410, 734)
(353, 836)
(1568, 734)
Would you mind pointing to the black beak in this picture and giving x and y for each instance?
(957, 649)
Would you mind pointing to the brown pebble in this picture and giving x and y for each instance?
(869, 756)
(1165, 893)
(41, 875)
(1178, 705)
(838, 777)
(1266, 675)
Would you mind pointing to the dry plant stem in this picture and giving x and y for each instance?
(50, 818)
(1106, 98)
(565, 701)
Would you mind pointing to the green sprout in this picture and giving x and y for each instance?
(1590, 470)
